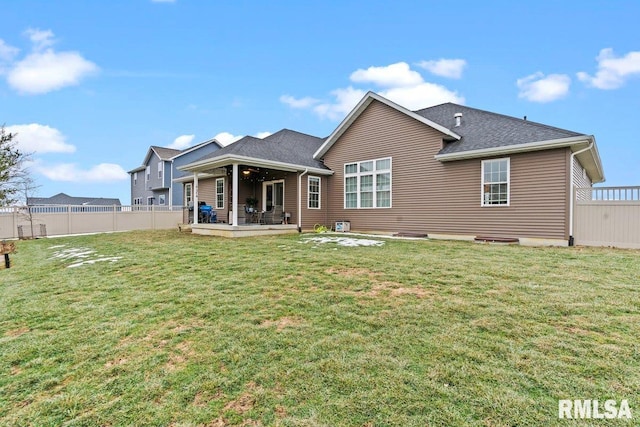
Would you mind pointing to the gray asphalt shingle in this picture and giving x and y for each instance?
(286, 146)
(481, 129)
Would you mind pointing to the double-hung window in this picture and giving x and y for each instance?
(496, 182)
(367, 184)
(135, 178)
(160, 168)
(220, 193)
(313, 192)
(147, 175)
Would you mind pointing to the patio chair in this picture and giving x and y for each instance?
(274, 216)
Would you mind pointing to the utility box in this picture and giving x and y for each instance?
(343, 226)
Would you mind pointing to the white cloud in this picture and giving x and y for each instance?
(40, 39)
(7, 53)
(399, 84)
(37, 138)
(225, 138)
(262, 135)
(70, 172)
(292, 102)
(538, 88)
(345, 100)
(43, 72)
(451, 68)
(182, 142)
(394, 75)
(612, 71)
(422, 96)
(44, 69)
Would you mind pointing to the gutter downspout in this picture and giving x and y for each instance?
(171, 187)
(300, 199)
(572, 196)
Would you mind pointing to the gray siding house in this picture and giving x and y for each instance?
(446, 171)
(65, 199)
(158, 180)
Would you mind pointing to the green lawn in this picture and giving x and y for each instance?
(187, 330)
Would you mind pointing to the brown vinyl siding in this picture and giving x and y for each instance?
(580, 178)
(429, 196)
(311, 217)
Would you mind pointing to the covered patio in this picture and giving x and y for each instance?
(254, 186)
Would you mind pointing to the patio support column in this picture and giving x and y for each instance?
(195, 198)
(234, 194)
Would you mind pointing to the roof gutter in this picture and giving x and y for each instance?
(510, 149)
(572, 190)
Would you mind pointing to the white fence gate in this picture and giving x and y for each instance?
(72, 219)
(607, 216)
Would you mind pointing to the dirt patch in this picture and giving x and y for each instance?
(379, 287)
(243, 404)
(202, 399)
(116, 362)
(283, 322)
(350, 273)
(17, 332)
(281, 412)
(394, 289)
(179, 357)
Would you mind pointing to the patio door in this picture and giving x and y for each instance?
(272, 194)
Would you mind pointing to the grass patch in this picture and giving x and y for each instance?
(168, 328)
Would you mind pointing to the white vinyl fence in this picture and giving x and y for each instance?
(607, 216)
(71, 219)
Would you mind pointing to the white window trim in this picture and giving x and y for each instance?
(135, 178)
(147, 174)
(482, 204)
(150, 200)
(162, 199)
(160, 169)
(217, 194)
(309, 178)
(190, 186)
(373, 172)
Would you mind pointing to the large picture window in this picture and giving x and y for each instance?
(367, 184)
(314, 192)
(495, 182)
(220, 193)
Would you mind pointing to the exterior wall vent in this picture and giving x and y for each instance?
(458, 117)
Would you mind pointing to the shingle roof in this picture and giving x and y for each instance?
(165, 153)
(65, 199)
(286, 146)
(483, 129)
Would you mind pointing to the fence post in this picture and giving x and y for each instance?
(153, 217)
(69, 219)
(14, 229)
(115, 219)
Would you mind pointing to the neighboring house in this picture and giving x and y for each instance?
(64, 199)
(450, 171)
(157, 180)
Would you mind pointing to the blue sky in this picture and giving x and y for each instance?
(90, 85)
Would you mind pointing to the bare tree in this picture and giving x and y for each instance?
(12, 171)
(27, 188)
